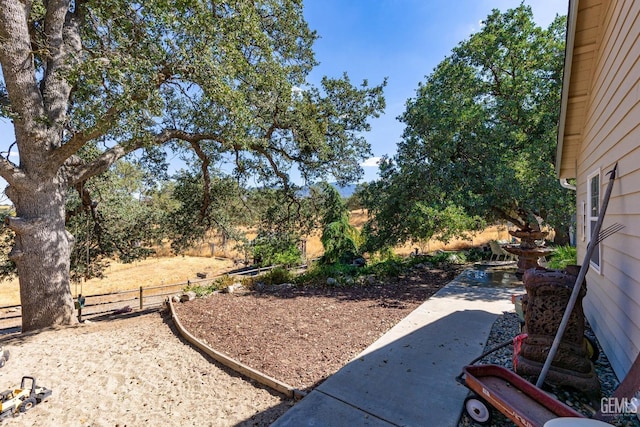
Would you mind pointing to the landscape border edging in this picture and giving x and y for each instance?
(233, 364)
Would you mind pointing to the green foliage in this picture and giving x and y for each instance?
(445, 257)
(221, 85)
(276, 276)
(276, 249)
(112, 217)
(399, 214)
(280, 211)
(380, 267)
(390, 267)
(480, 139)
(197, 211)
(476, 254)
(339, 238)
(562, 257)
(7, 267)
(318, 273)
(202, 290)
(354, 202)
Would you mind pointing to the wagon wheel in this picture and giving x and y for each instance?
(592, 349)
(478, 409)
(2, 362)
(27, 404)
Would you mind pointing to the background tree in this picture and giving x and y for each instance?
(225, 80)
(404, 207)
(217, 207)
(117, 219)
(339, 238)
(481, 135)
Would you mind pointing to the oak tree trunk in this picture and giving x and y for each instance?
(561, 235)
(42, 253)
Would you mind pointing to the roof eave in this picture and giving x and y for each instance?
(572, 18)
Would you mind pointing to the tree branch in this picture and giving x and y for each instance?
(61, 51)
(9, 171)
(284, 178)
(206, 196)
(516, 220)
(16, 60)
(110, 156)
(79, 139)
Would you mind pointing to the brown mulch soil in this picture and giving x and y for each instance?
(301, 335)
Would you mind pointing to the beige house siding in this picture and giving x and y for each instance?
(610, 133)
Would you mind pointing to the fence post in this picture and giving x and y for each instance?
(141, 301)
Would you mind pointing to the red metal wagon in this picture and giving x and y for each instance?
(519, 400)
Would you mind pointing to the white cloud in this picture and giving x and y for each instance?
(371, 162)
(296, 93)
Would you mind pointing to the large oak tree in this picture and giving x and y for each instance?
(87, 82)
(480, 138)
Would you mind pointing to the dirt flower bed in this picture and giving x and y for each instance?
(301, 335)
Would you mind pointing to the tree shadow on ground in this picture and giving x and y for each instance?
(413, 287)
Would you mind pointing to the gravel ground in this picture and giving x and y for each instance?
(507, 327)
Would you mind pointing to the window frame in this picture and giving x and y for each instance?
(591, 220)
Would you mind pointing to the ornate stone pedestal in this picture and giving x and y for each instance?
(548, 292)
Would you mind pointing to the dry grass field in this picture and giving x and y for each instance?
(165, 269)
(149, 272)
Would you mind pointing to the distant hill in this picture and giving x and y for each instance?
(344, 191)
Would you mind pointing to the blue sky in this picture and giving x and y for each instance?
(402, 40)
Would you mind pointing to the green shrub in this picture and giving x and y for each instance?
(200, 289)
(249, 282)
(276, 249)
(562, 257)
(442, 257)
(477, 254)
(340, 240)
(417, 259)
(224, 281)
(276, 276)
(318, 273)
(382, 265)
(387, 268)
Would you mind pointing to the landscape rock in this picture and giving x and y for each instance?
(283, 286)
(233, 288)
(188, 296)
(331, 281)
(360, 262)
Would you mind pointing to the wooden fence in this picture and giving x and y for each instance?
(142, 298)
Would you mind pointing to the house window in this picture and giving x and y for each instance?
(593, 210)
